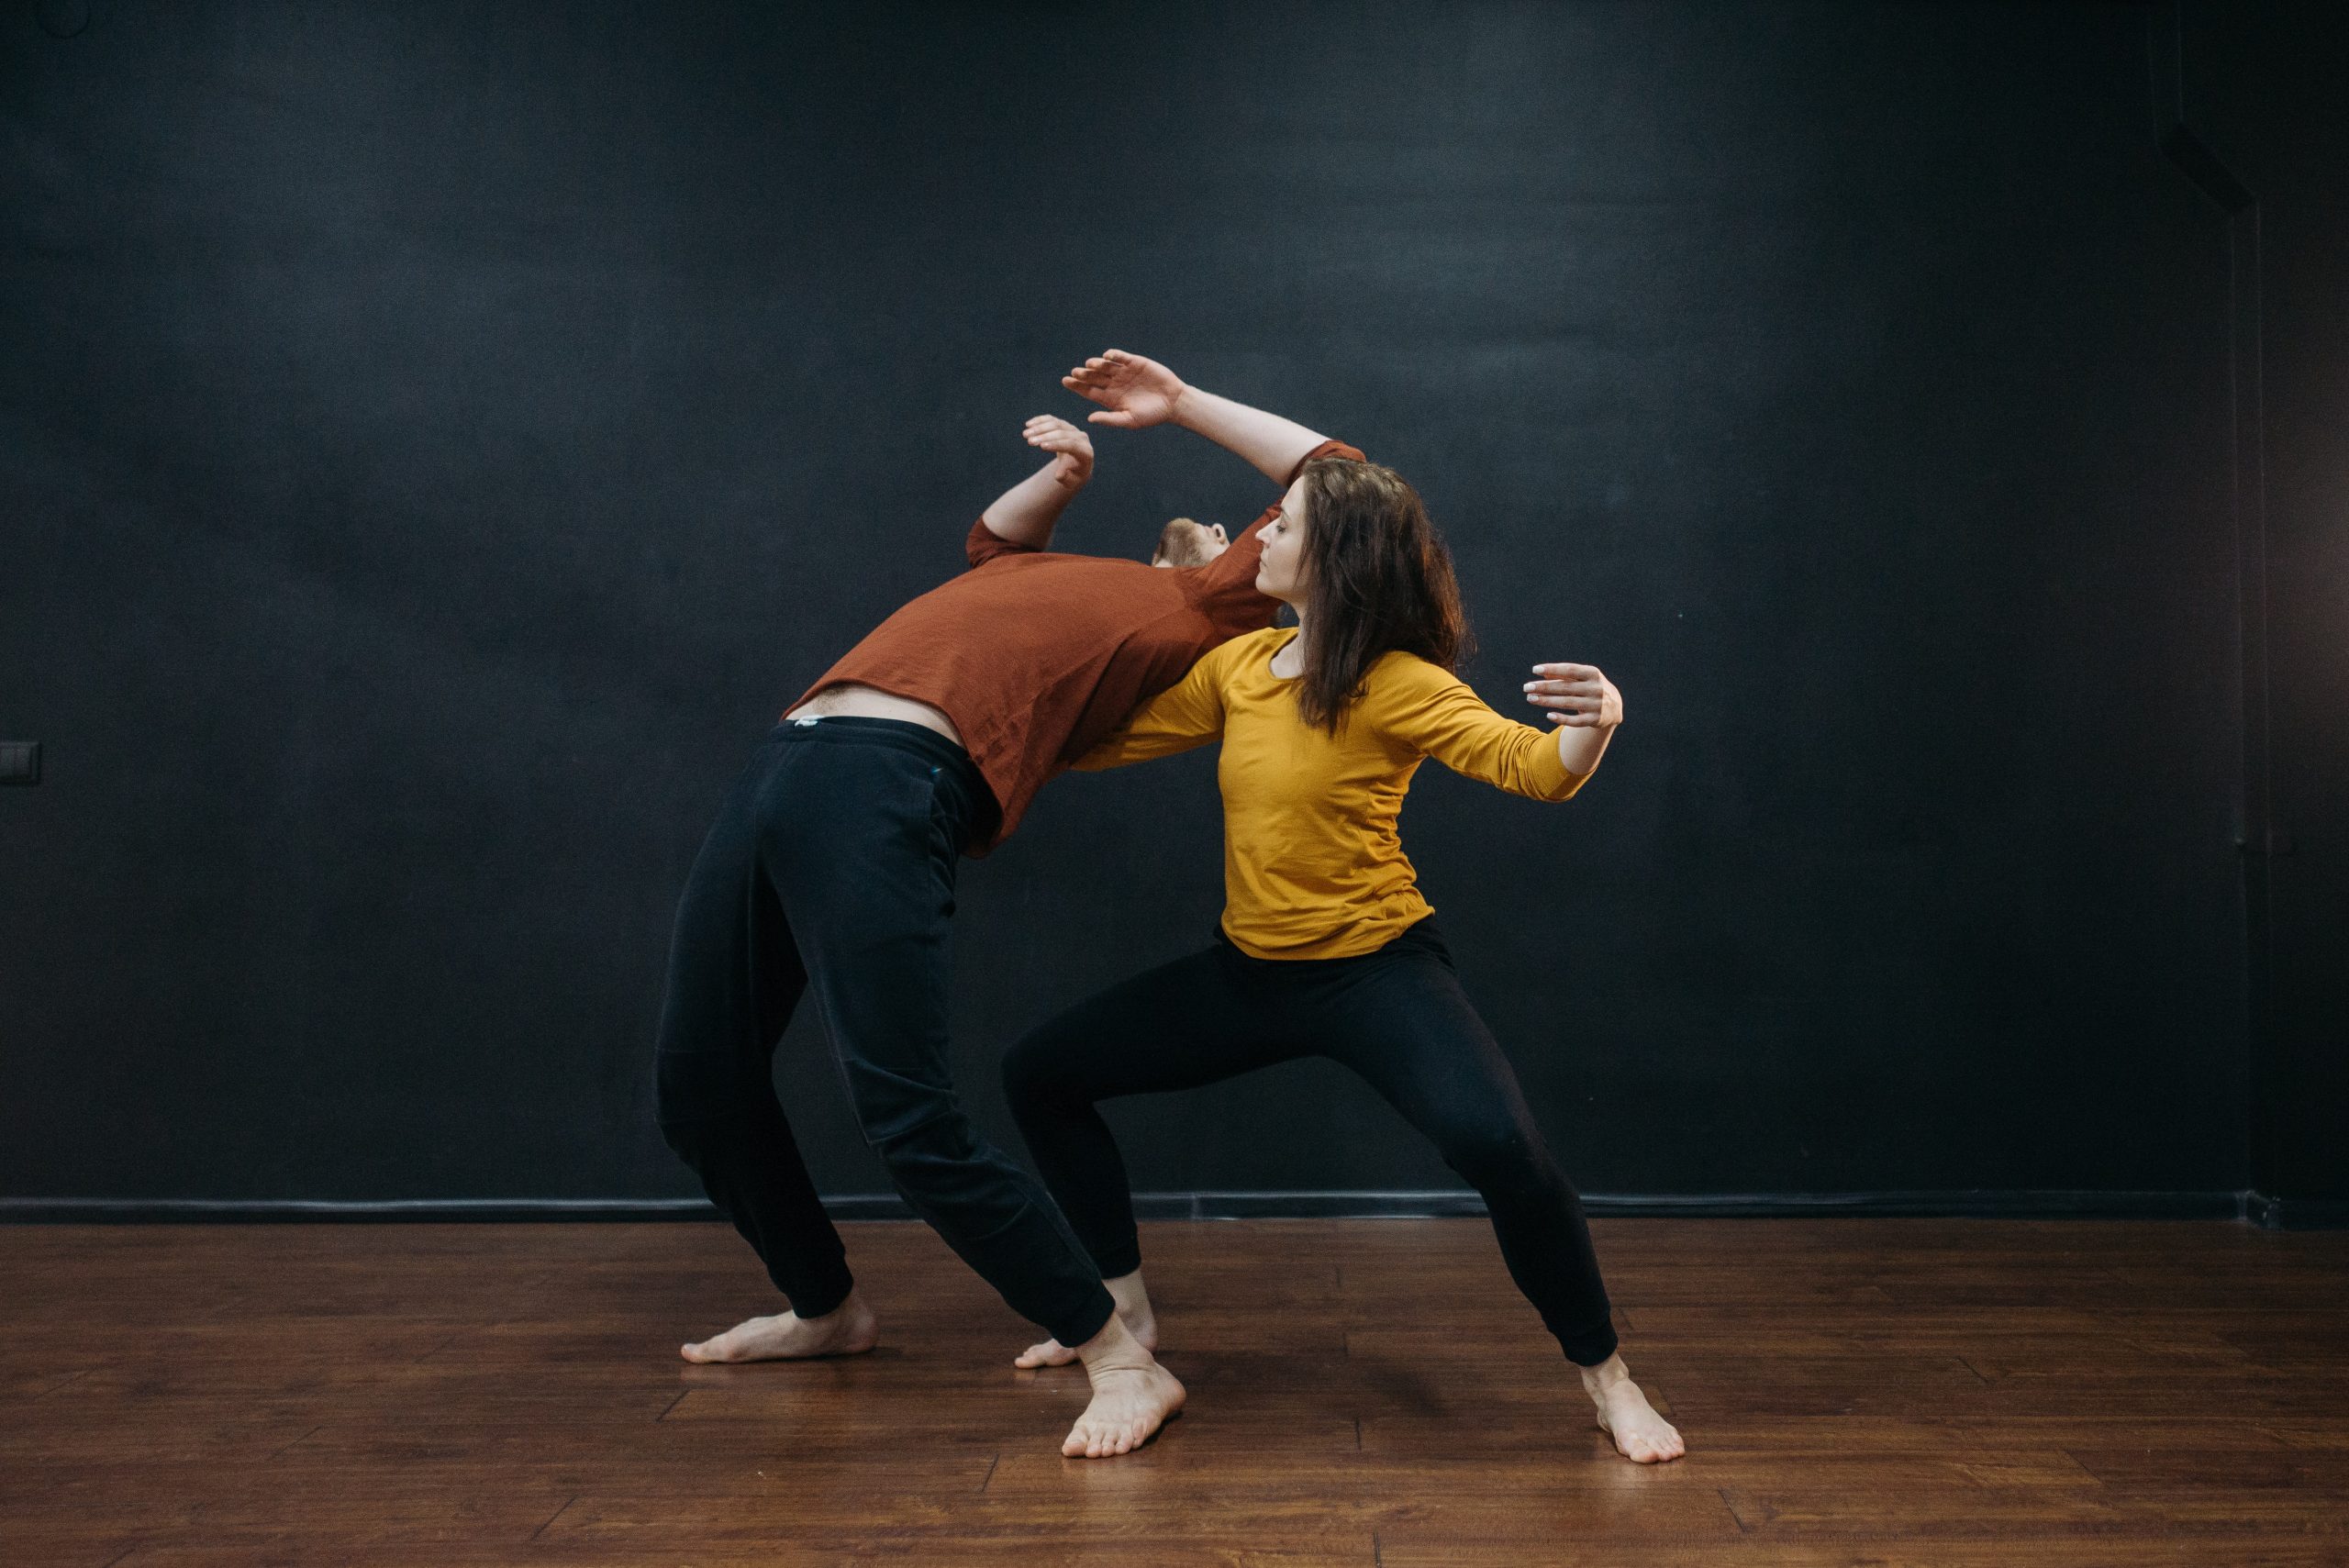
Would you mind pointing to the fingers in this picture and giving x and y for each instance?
(1053, 434)
(1104, 373)
(1574, 695)
(1578, 690)
(1045, 429)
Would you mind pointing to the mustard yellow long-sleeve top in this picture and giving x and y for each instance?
(1312, 864)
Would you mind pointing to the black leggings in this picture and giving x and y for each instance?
(1396, 1017)
(830, 871)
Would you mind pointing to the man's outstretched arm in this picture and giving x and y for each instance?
(1135, 393)
(1024, 515)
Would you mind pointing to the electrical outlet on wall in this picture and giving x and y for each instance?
(20, 761)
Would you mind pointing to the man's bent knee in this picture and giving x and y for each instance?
(931, 1157)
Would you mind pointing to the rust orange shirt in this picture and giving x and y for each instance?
(1035, 654)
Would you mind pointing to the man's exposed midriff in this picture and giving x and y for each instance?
(849, 700)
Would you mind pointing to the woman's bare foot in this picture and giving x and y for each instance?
(1132, 1396)
(1624, 1414)
(848, 1329)
(1133, 1310)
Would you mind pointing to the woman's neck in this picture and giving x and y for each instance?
(1289, 662)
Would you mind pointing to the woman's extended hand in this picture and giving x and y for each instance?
(1135, 392)
(1070, 447)
(1575, 695)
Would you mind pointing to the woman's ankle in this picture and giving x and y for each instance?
(1605, 1374)
(1114, 1346)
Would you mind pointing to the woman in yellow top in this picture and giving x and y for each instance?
(1327, 948)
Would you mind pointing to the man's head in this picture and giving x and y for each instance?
(1185, 543)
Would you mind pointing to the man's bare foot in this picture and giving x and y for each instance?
(1624, 1414)
(1132, 1396)
(848, 1330)
(1133, 1310)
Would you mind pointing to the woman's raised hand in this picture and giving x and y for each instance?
(1070, 447)
(1575, 695)
(1133, 391)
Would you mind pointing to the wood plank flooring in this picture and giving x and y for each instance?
(1979, 1393)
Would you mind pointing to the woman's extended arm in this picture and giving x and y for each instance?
(1024, 515)
(1435, 714)
(1186, 714)
(1135, 393)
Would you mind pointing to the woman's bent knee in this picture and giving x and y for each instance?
(1033, 1072)
(1500, 1161)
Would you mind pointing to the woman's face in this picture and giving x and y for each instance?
(1280, 571)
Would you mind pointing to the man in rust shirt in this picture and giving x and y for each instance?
(830, 871)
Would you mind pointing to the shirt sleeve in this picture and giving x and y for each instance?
(1232, 575)
(1433, 712)
(1185, 715)
(985, 544)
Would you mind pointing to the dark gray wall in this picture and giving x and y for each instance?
(2263, 87)
(436, 440)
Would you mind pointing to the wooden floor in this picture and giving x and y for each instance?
(1881, 1392)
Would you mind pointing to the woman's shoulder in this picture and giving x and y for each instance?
(1403, 674)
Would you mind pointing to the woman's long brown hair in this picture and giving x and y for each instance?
(1377, 578)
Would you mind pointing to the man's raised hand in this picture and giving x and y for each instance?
(1134, 393)
(1070, 447)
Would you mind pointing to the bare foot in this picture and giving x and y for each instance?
(1133, 1310)
(1624, 1414)
(1132, 1396)
(848, 1329)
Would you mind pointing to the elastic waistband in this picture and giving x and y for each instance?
(895, 733)
(1421, 935)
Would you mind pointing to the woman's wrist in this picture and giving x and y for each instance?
(1186, 401)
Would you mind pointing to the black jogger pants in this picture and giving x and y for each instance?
(1396, 1016)
(830, 871)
